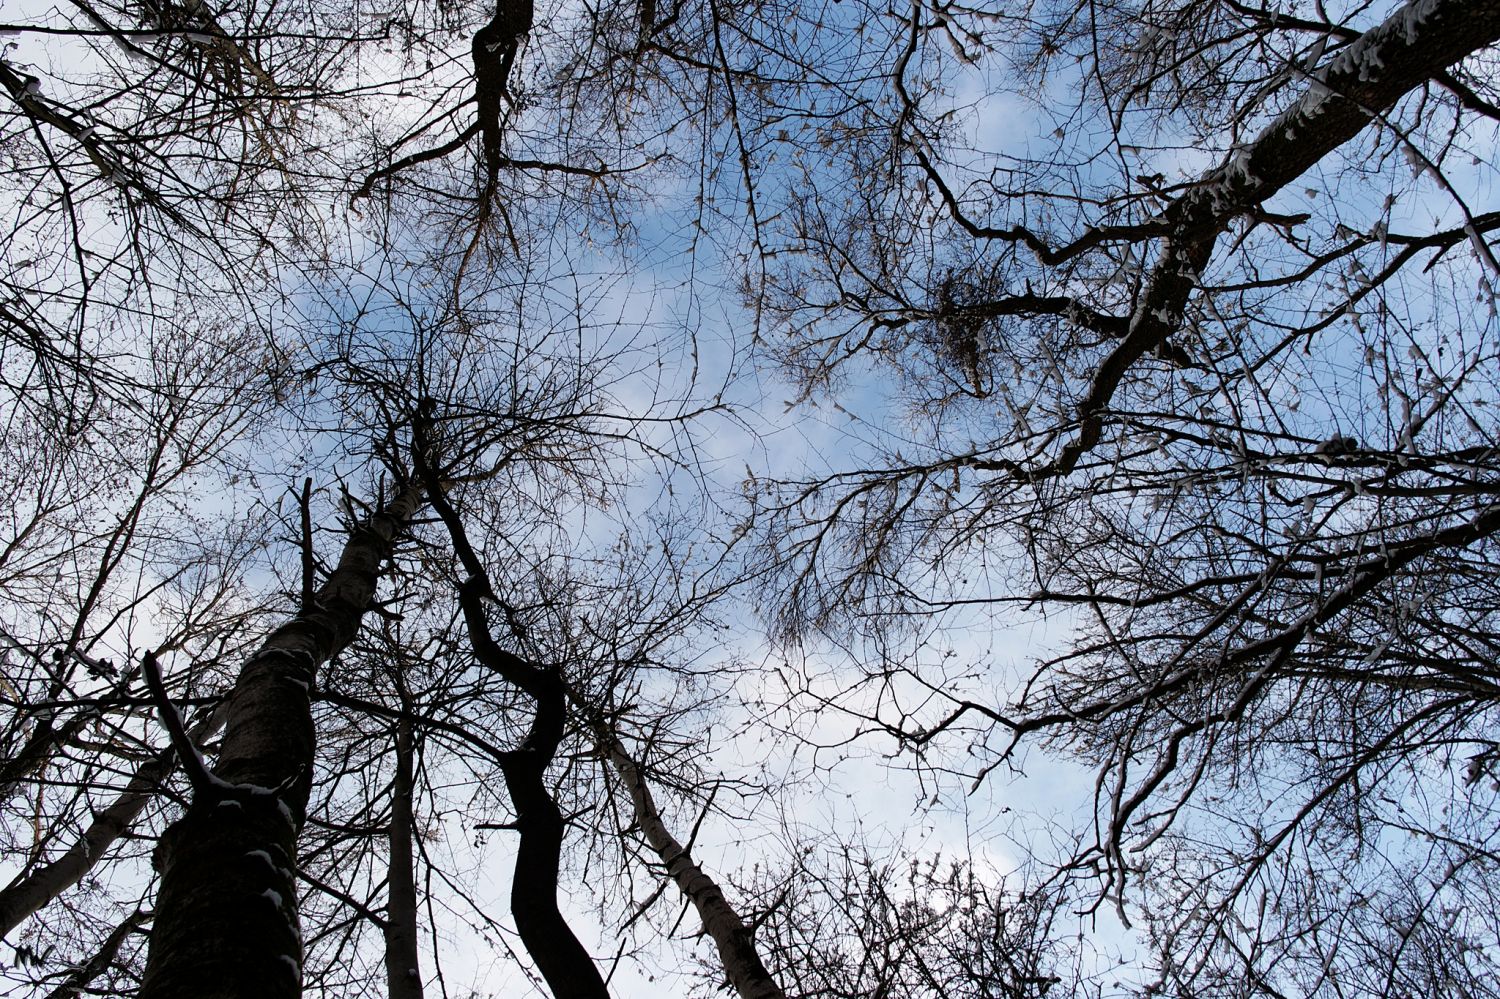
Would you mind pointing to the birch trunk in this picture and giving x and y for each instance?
(737, 952)
(27, 895)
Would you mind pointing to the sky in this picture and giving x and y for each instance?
(670, 279)
(639, 277)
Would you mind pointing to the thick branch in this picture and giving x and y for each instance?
(1410, 47)
(27, 895)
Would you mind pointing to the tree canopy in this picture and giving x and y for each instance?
(460, 445)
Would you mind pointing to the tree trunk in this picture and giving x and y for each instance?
(81, 978)
(403, 975)
(559, 955)
(26, 895)
(226, 913)
(742, 963)
(561, 958)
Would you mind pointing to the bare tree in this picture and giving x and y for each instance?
(226, 910)
(841, 920)
(1203, 372)
(400, 213)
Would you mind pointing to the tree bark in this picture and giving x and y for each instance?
(403, 974)
(226, 914)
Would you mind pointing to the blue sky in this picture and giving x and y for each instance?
(652, 280)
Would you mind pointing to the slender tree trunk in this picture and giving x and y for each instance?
(226, 913)
(737, 952)
(403, 974)
(81, 978)
(26, 895)
(562, 959)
